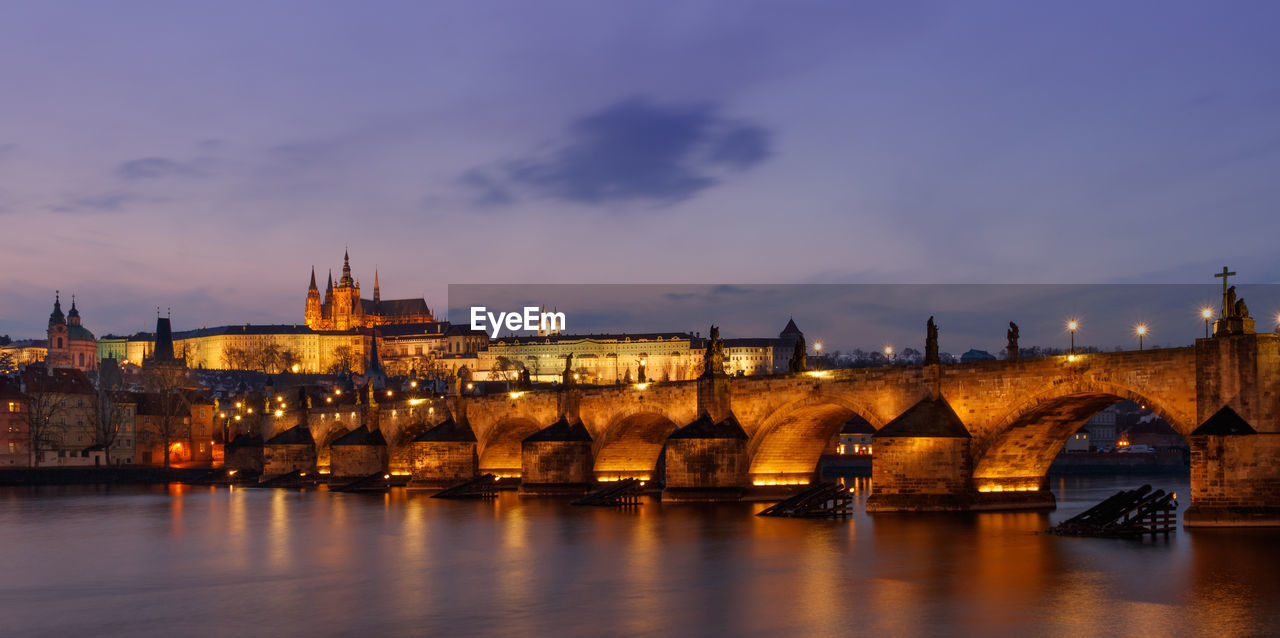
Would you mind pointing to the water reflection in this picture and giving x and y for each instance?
(240, 561)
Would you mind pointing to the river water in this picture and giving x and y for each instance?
(182, 560)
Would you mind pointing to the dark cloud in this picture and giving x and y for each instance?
(157, 167)
(631, 151)
(488, 191)
(100, 203)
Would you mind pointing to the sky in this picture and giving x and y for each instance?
(203, 157)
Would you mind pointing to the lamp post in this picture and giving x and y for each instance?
(817, 353)
(1072, 325)
(888, 355)
(1141, 329)
(1206, 313)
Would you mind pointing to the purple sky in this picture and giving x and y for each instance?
(202, 156)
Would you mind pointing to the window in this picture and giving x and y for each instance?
(59, 342)
(13, 406)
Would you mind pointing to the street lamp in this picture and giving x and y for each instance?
(1141, 330)
(1206, 313)
(1072, 325)
(888, 354)
(817, 352)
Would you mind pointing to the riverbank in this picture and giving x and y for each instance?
(101, 475)
(1094, 463)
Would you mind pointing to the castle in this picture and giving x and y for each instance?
(343, 309)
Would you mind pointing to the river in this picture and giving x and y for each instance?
(204, 561)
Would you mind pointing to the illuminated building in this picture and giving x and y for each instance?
(343, 309)
(70, 345)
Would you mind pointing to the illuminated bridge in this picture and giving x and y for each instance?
(955, 436)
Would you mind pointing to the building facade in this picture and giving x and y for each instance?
(70, 345)
(342, 307)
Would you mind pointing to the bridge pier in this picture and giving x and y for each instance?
(293, 450)
(556, 460)
(707, 459)
(445, 455)
(1235, 452)
(357, 454)
(922, 462)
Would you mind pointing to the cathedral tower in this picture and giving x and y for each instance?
(313, 314)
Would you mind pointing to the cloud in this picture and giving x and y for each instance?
(488, 191)
(115, 201)
(158, 167)
(632, 151)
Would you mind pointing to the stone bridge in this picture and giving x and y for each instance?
(960, 436)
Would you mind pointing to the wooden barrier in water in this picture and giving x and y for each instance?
(1126, 514)
(824, 500)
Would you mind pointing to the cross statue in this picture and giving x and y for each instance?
(1226, 309)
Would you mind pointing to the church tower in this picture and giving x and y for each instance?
(59, 348)
(347, 309)
(313, 315)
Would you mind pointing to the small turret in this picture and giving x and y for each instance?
(73, 316)
(377, 294)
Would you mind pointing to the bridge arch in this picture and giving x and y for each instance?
(500, 448)
(632, 445)
(1016, 452)
(324, 441)
(789, 442)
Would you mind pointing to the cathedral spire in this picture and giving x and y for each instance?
(377, 295)
(329, 289)
(313, 280)
(346, 269)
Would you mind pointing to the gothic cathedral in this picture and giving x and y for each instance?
(343, 309)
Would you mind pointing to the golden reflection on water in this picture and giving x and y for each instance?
(642, 570)
(325, 563)
(279, 547)
(176, 491)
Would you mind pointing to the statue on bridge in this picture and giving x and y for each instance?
(566, 377)
(931, 343)
(799, 359)
(1235, 318)
(1232, 307)
(713, 356)
(1011, 347)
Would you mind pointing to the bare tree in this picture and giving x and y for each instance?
(344, 359)
(7, 362)
(505, 369)
(108, 417)
(44, 410)
(235, 358)
(165, 382)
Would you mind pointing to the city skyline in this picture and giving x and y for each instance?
(884, 144)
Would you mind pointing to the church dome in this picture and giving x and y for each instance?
(79, 333)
